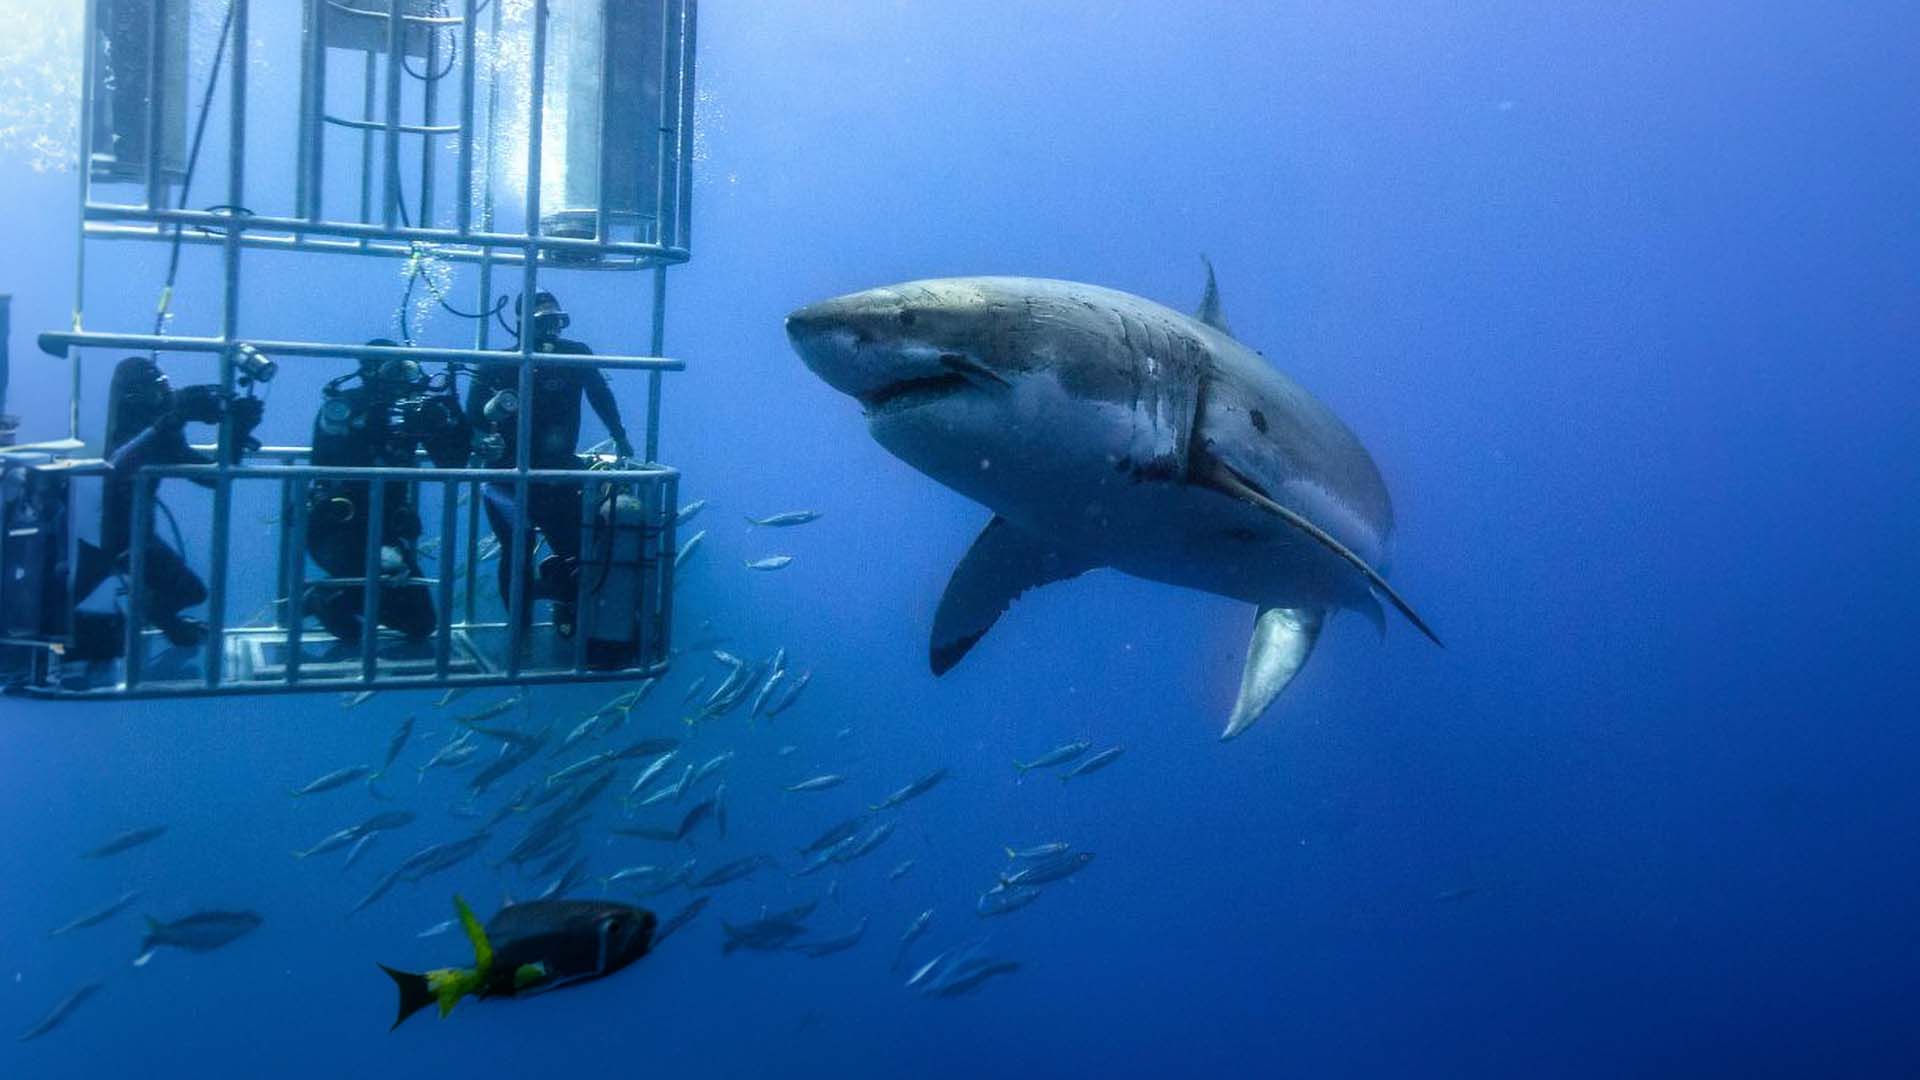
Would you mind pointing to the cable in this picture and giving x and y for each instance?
(186, 180)
(438, 11)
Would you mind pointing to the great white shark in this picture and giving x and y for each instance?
(1103, 429)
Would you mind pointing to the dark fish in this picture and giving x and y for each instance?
(514, 757)
(354, 852)
(733, 871)
(790, 517)
(693, 817)
(764, 935)
(1041, 873)
(488, 712)
(580, 768)
(912, 791)
(386, 821)
(561, 857)
(532, 948)
(98, 916)
(823, 860)
(914, 929)
(969, 977)
(834, 835)
(1095, 763)
(453, 755)
(566, 882)
(1059, 755)
(710, 766)
(501, 813)
(510, 736)
(397, 743)
(827, 947)
(687, 548)
(335, 779)
(796, 913)
(864, 844)
(580, 733)
(766, 691)
(819, 783)
(645, 748)
(720, 810)
(432, 860)
(644, 832)
(380, 889)
(693, 691)
(681, 918)
(198, 933)
(1047, 850)
(128, 840)
(331, 842)
(1002, 901)
(60, 1012)
(786, 699)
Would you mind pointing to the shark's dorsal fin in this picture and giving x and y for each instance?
(1209, 312)
(1282, 640)
(1002, 563)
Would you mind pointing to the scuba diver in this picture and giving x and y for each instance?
(394, 411)
(552, 509)
(145, 421)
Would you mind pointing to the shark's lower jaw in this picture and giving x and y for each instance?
(911, 393)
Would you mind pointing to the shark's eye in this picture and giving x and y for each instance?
(906, 318)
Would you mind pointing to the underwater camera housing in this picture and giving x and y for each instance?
(251, 366)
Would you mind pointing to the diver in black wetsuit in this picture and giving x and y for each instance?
(553, 509)
(393, 412)
(145, 418)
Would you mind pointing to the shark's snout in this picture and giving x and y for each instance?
(870, 346)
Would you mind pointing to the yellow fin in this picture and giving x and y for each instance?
(449, 985)
(528, 974)
(476, 933)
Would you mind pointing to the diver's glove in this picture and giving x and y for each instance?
(622, 449)
(246, 413)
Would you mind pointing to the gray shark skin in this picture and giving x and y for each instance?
(1105, 430)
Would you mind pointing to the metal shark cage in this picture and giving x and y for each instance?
(399, 132)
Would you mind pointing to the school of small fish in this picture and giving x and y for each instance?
(556, 804)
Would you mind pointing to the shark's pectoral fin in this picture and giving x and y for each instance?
(1002, 563)
(1283, 638)
(1221, 477)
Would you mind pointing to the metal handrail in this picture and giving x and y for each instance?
(57, 342)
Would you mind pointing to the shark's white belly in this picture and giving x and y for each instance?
(1092, 478)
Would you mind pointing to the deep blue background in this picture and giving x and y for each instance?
(1622, 298)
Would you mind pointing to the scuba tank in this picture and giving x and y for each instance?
(612, 574)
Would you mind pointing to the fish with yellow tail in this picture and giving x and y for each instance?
(531, 948)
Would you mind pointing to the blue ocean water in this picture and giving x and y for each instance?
(1622, 299)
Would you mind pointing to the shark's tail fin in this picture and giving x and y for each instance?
(415, 994)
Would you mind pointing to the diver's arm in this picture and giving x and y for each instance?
(600, 396)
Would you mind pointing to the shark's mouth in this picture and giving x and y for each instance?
(912, 393)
